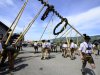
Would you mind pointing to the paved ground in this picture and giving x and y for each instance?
(28, 63)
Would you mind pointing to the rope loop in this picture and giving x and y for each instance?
(63, 28)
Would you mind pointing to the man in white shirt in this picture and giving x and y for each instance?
(64, 49)
(76, 50)
(46, 46)
(48, 49)
(36, 46)
(43, 49)
(85, 53)
(72, 49)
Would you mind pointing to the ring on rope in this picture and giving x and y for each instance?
(48, 10)
(57, 33)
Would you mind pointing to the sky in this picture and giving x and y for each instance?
(84, 15)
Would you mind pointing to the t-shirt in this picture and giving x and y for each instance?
(43, 45)
(72, 45)
(86, 48)
(75, 45)
(35, 44)
(64, 46)
(48, 45)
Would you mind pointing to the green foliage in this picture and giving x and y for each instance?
(80, 39)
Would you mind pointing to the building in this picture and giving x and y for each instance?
(3, 30)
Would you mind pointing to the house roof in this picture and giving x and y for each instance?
(3, 25)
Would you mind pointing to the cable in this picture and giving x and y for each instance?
(46, 26)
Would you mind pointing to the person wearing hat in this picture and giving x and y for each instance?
(85, 53)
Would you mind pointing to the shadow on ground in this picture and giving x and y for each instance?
(89, 71)
(19, 62)
(17, 68)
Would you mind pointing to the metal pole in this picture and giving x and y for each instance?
(29, 25)
(16, 21)
(76, 30)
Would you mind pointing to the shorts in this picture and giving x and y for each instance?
(88, 58)
(43, 50)
(72, 50)
(48, 49)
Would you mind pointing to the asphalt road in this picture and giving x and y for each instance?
(28, 63)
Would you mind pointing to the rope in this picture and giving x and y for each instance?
(48, 10)
(53, 10)
(63, 28)
(51, 27)
(62, 34)
(46, 27)
(56, 13)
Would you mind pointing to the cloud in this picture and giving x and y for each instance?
(5, 21)
(6, 2)
(87, 21)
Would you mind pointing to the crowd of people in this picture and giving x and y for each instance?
(85, 51)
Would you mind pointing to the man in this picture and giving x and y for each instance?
(21, 45)
(60, 47)
(52, 47)
(96, 47)
(85, 53)
(18, 46)
(55, 47)
(36, 46)
(8, 52)
(64, 49)
(76, 50)
(72, 49)
(48, 49)
(43, 49)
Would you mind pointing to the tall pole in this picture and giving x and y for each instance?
(16, 21)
